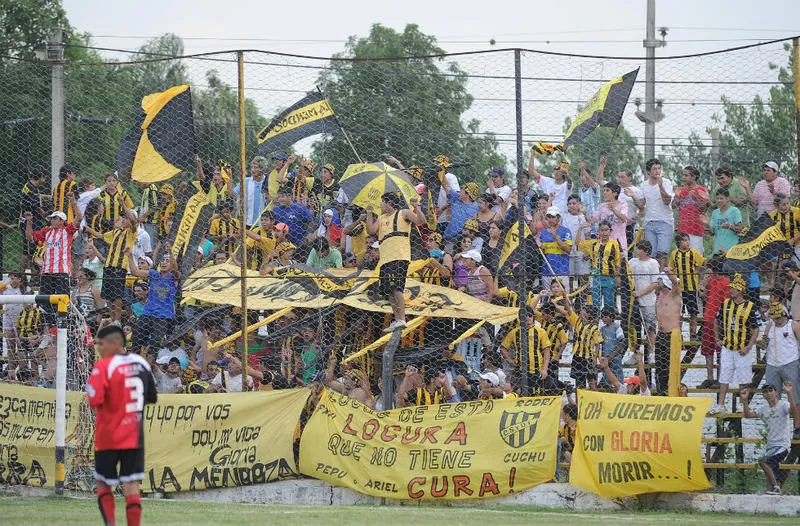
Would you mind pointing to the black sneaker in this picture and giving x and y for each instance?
(707, 384)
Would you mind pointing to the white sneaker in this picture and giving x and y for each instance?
(396, 325)
(716, 409)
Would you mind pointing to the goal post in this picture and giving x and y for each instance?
(61, 301)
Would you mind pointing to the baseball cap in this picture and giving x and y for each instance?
(147, 259)
(768, 387)
(281, 156)
(633, 380)
(773, 165)
(328, 212)
(665, 280)
(376, 244)
(60, 215)
(491, 377)
(553, 211)
(282, 226)
(497, 170)
(349, 257)
(790, 265)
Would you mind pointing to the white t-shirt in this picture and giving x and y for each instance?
(165, 384)
(655, 209)
(645, 273)
(633, 210)
(782, 347)
(561, 191)
(777, 421)
(503, 192)
(142, 244)
(452, 180)
(573, 223)
(11, 310)
(233, 383)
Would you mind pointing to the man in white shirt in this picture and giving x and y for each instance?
(254, 185)
(169, 380)
(443, 163)
(142, 246)
(634, 198)
(645, 272)
(782, 349)
(556, 186)
(659, 221)
(498, 187)
(231, 380)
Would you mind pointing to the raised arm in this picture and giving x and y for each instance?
(132, 268)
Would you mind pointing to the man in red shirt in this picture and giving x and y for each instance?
(57, 239)
(118, 388)
(691, 200)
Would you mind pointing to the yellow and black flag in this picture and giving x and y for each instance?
(763, 241)
(605, 109)
(309, 116)
(161, 142)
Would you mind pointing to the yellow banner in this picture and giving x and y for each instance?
(27, 433)
(752, 249)
(627, 445)
(219, 284)
(190, 216)
(299, 117)
(195, 442)
(466, 450)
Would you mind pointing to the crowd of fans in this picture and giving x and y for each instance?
(595, 241)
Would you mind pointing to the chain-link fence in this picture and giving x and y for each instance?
(313, 256)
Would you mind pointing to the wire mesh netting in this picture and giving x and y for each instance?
(322, 275)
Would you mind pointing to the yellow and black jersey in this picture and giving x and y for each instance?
(358, 241)
(150, 202)
(257, 251)
(166, 211)
(556, 333)
(788, 222)
(605, 256)
(111, 207)
(291, 361)
(537, 343)
(424, 397)
(685, 264)
(60, 201)
(221, 228)
(96, 223)
(432, 276)
(28, 322)
(586, 337)
(567, 435)
(117, 240)
(737, 322)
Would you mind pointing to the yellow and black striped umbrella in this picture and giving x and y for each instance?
(364, 184)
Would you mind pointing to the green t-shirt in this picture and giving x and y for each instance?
(737, 191)
(309, 357)
(332, 260)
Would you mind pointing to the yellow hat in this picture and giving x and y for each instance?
(776, 310)
(564, 165)
(738, 282)
(443, 161)
(330, 168)
(435, 236)
(472, 224)
(283, 247)
(415, 171)
(472, 190)
(310, 165)
(167, 189)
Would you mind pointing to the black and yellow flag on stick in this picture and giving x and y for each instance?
(763, 241)
(605, 109)
(161, 142)
(309, 116)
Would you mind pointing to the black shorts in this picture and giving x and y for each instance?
(690, 303)
(774, 458)
(131, 466)
(392, 276)
(113, 283)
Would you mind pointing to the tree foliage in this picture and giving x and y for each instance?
(412, 109)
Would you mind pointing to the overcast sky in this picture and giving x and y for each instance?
(609, 27)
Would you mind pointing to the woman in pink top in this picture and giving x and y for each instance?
(615, 212)
(691, 200)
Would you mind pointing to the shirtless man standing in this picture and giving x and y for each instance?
(668, 338)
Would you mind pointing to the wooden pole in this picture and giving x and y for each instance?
(242, 216)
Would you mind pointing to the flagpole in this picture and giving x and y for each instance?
(341, 128)
(243, 218)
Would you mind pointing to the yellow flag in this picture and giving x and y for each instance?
(626, 445)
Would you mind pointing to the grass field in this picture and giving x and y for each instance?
(50, 510)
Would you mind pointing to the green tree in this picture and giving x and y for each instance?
(153, 76)
(410, 108)
(692, 152)
(765, 131)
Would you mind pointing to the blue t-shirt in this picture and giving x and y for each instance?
(161, 296)
(591, 200)
(295, 216)
(459, 213)
(558, 260)
(725, 238)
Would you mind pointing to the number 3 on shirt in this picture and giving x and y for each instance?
(136, 405)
